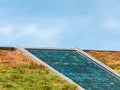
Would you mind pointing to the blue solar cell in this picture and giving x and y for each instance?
(79, 68)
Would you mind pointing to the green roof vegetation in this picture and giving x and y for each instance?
(18, 72)
(110, 58)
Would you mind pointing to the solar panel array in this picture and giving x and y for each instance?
(79, 68)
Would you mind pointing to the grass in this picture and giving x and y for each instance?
(35, 79)
(111, 59)
(18, 72)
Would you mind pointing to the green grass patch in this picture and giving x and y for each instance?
(19, 72)
(32, 79)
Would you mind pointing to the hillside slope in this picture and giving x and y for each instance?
(110, 58)
(19, 72)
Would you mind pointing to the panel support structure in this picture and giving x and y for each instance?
(98, 62)
(39, 61)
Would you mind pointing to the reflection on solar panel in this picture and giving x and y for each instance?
(79, 68)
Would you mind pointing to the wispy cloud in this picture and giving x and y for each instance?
(60, 23)
(111, 24)
(6, 30)
(33, 34)
(43, 34)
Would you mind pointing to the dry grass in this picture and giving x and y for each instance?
(10, 58)
(19, 72)
(112, 59)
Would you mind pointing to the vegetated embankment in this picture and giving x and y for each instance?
(110, 58)
(19, 72)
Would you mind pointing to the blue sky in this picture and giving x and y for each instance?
(87, 24)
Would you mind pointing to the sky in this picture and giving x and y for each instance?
(87, 24)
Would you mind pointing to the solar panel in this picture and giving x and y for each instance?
(79, 68)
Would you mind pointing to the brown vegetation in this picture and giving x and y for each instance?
(19, 72)
(13, 58)
(110, 58)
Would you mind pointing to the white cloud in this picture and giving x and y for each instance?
(6, 34)
(46, 33)
(6, 30)
(111, 24)
(32, 34)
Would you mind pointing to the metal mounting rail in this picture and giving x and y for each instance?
(99, 63)
(39, 61)
(49, 48)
